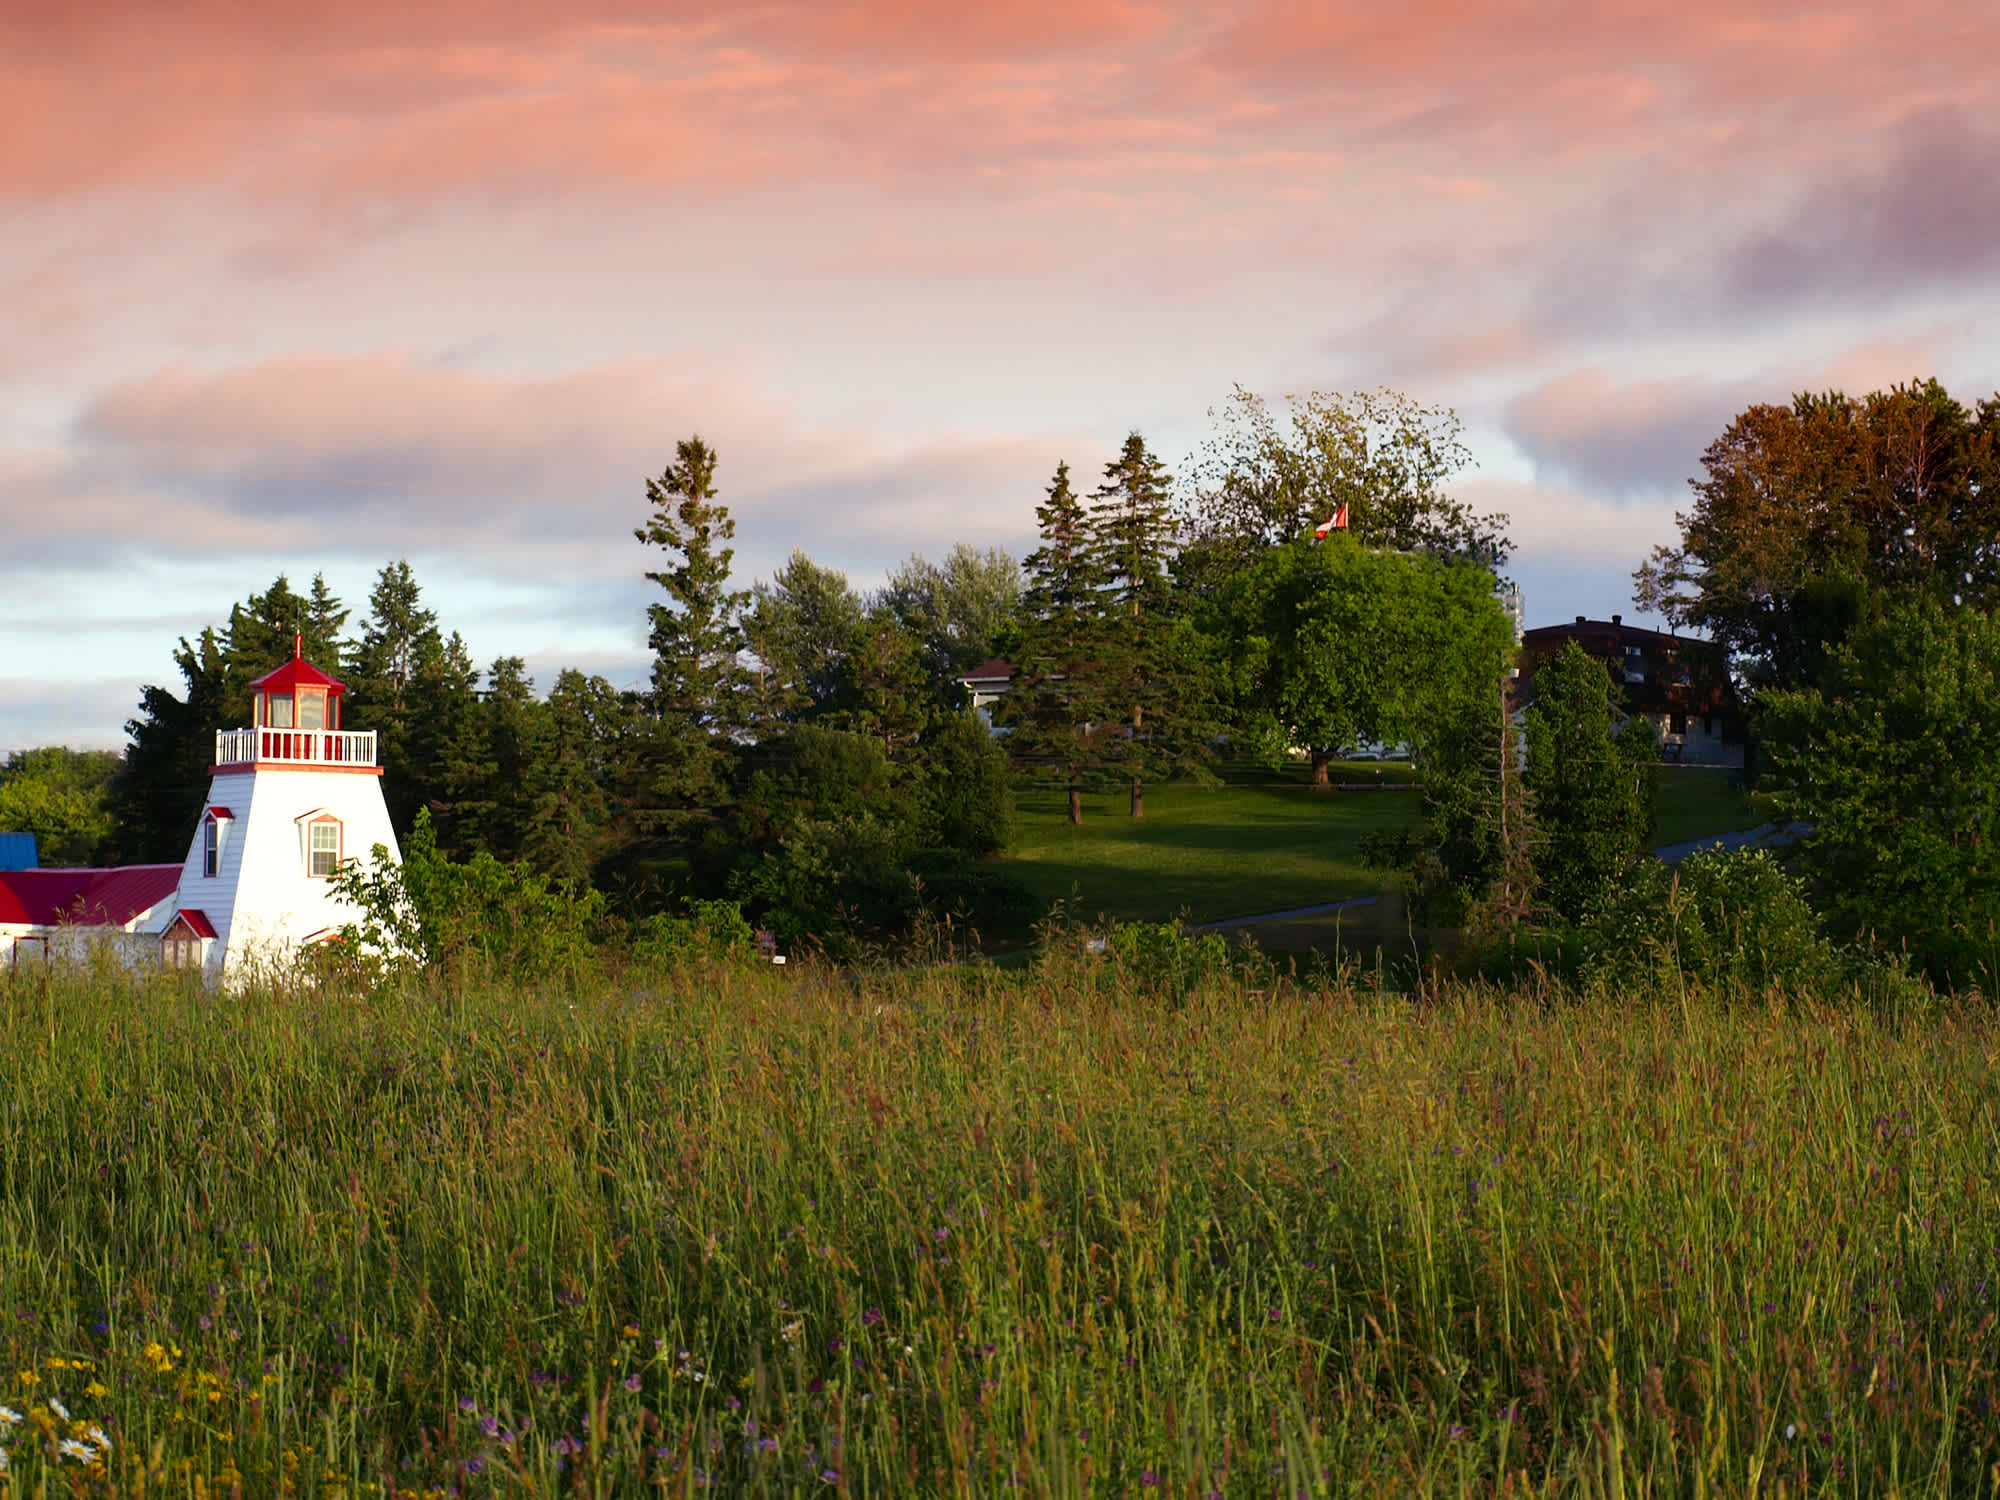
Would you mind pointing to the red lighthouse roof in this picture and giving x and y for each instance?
(296, 673)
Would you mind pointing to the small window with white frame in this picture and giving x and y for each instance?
(322, 848)
(211, 846)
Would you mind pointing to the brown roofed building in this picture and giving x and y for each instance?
(1678, 681)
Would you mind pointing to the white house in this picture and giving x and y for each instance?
(290, 798)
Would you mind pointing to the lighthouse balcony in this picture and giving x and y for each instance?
(295, 747)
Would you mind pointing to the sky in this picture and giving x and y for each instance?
(314, 287)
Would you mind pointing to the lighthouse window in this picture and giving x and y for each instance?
(324, 858)
(281, 710)
(312, 711)
(211, 847)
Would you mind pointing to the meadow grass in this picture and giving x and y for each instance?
(955, 1232)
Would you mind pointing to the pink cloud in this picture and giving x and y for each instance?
(383, 453)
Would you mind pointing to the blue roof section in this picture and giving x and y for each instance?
(17, 852)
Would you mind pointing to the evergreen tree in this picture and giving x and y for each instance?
(701, 693)
(1592, 783)
(399, 642)
(491, 775)
(569, 823)
(156, 798)
(1054, 721)
(1148, 670)
(890, 694)
(324, 617)
(444, 740)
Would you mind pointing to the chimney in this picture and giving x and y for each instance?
(1617, 619)
(1579, 619)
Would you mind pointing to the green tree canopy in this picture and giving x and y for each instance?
(959, 609)
(62, 797)
(1147, 673)
(1335, 642)
(701, 696)
(1893, 758)
(801, 627)
(1266, 478)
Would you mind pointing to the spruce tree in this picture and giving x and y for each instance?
(1054, 719)
(701, 698)
(399, 641)
(1148, 673)
(1592, 783)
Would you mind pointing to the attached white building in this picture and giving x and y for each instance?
(290, 798)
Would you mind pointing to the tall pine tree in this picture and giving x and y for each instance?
(701, 697)
(1149, 673)
(1055, 720)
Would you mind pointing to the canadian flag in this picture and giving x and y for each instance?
(1335, 522)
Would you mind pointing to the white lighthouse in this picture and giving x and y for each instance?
(289, 799)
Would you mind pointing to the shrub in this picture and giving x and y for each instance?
(1730, 921)
(708, 929)
(1164, 959)
(430, 912)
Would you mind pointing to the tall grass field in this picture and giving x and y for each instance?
(952, 1231)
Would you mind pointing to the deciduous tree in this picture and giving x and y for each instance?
(1893, 758)
(1262, 481)
(1803, 511)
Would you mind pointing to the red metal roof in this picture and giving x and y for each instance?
(196, 922)
(298, 672)
(216, 810)
(85, 898)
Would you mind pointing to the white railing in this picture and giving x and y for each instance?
(307, 747)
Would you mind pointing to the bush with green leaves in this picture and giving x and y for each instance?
(431, 912)
(1893, 758)
(1731, 921)
(714, 930)
(1161, 961)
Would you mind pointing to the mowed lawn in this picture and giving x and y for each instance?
(1266, 841)
(1263, 841)
(1696, 801)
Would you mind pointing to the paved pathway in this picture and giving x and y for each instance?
(1286, 916)
(1767, 836)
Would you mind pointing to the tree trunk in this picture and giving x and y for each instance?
(1075, 807)
(1138, 798)
(1321, 758)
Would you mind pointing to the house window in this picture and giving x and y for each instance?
(1677, 723)
(180, 951)
(323, 849)
(211, 847)
(30, 950)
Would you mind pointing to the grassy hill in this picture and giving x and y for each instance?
(1265, 840)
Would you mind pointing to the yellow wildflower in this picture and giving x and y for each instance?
(29, 1377)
